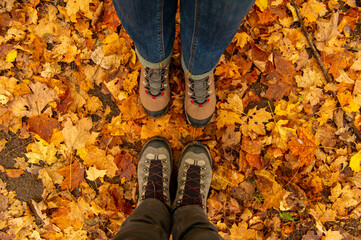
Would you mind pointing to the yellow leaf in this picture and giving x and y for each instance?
(355, 162)
(241, 39)
(10, 57)
(227, 118)
(93, 173)
(134, 56)
(262, 4)
(41, 150)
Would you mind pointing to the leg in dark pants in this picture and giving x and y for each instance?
(150, 220)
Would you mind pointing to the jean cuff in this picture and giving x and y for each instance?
(151, 65)
(194, 77)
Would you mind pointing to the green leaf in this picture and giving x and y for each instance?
(287, 216)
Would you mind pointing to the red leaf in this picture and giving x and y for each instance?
(43, 126)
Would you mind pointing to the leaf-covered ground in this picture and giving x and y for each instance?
(285, 141)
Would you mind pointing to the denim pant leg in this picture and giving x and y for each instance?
(150, 220)
(191, 223)
(207, 28)
(151, 25)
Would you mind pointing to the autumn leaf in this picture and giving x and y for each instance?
(126, 168)
(355, 162)
(74, 175)
(43, 126)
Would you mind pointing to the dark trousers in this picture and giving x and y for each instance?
(152, 220)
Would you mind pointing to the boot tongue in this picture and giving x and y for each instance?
(155, 81)
(200, 90)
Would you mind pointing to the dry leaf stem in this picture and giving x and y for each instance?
(320, 63)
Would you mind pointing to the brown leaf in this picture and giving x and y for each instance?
(65, 101)
(74, 175)
(125, 165)
(110, 17)
(43, 126)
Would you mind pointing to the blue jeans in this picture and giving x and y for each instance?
(207, 28)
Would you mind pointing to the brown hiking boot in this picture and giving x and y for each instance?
(200, 100)
(154, 90)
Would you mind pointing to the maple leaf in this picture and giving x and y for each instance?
(73, 176)
(304, 146)
(76, 136)
(224, 177)
(347, 102)
(227, 118)
(326, 110)
(312, 9)
(312, 95)
(43, 126)
(93, 173)
(40, 150)
(33, 104)
(254, 121)
(241, 39)
(50, 70)
(311, 77)
(328, 30)
(281, 133)
(241, 232)
(93, 156)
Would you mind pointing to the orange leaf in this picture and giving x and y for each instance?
(14, 173)
(254, 160)
(65, 101)
(74, 175)
(304, 146)
(43, 126)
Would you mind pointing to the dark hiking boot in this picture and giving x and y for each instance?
(194, 176)
(154, 170)
(154, 90)
(200, 100)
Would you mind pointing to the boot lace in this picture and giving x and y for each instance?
(191, 193)
(154, 187)
(199, 90)
(154, 80)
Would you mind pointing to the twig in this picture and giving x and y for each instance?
(314, 50)
(322, 66)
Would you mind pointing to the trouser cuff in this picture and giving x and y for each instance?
(151, 65)
(194, 77)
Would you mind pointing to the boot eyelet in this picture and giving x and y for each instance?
(146, 169)
(143, 187)
(203, 177)
(165, 188)
(184, 174)
(165, 161)
(145, 178)
(165, 179)
(204, 168)
(165, 169)
(180, 191)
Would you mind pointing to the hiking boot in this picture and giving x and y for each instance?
(154, 170)
(194, 176)
(200, 100)
(154, 90)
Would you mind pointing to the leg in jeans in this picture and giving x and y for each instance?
(207, 28)
(191, 223)
(150, 220)
(151, 25)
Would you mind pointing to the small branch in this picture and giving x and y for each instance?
(314, 50)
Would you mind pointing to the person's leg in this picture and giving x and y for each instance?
(191, 223)
(151, 25)
(207, 28)
(151, 219)
(189, 208)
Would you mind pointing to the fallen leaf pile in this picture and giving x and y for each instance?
(285, 142)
